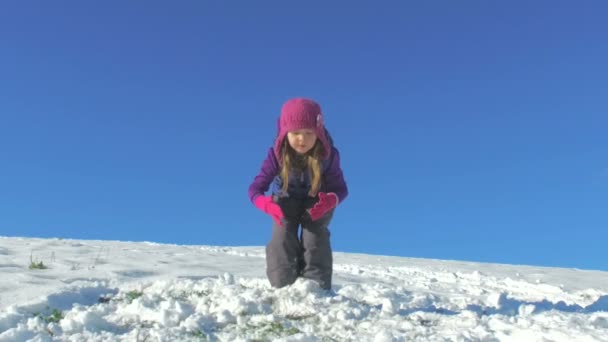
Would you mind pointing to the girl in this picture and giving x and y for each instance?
(304, 168)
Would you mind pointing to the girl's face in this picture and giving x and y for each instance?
(302, 140)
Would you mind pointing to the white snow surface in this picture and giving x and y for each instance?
(139, 291)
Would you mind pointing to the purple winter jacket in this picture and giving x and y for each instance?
(332, 179)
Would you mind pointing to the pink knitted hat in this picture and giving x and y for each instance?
(301, 113)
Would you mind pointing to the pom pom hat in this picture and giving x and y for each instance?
(301, 113)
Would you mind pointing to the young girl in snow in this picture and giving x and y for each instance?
(304, 169)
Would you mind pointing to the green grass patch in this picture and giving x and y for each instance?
(132, 295)
(53, 317)
(37, 265)
(272, 330)
(200, 335)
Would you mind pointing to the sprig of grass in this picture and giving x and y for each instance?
(132, 295)
(199, 334)
(36, 265)
(272, 330)
(54, 317)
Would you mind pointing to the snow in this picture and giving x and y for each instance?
(140, 291)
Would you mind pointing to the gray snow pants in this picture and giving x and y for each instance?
(292, 253)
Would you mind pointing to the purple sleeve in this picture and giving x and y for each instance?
(262, 181)
(334, 179)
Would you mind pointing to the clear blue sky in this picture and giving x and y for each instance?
(470, 130)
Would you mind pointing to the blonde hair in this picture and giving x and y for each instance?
(313, 165)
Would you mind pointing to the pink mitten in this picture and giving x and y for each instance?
(327, 201)
(265, 204)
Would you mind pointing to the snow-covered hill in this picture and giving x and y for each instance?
(126, 291)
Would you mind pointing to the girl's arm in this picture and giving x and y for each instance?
(334, 178)
(262, 181)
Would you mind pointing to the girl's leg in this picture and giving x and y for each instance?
(284, 249)
(282, 255)
(317, 253)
